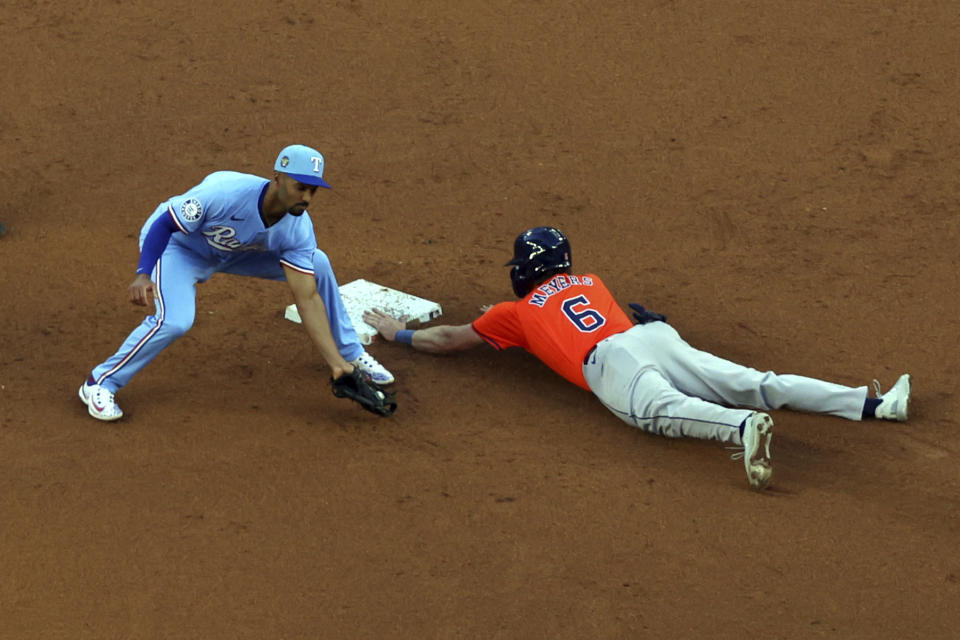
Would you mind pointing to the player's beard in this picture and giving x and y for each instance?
(302, 206)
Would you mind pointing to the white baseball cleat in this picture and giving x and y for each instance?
(100, 402)
(895, 403)
(369, 365)
(757, 433)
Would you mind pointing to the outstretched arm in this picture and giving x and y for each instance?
(439, 339)
(313, 314)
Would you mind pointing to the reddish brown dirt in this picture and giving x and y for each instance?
(779, 178)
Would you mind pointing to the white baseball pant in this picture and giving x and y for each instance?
(649, 377)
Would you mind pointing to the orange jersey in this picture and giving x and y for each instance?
(559, 322)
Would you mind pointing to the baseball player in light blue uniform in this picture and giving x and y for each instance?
(245, 225)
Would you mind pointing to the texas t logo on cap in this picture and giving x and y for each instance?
(303, 164)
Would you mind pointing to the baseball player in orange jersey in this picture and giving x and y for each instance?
(646, 374)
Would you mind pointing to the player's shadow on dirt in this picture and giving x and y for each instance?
(825, 454)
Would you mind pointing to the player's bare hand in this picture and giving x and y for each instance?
(485, 308)
(141, 290)
(338, 370)
(386, 324)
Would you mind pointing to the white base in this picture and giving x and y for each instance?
(360, 295)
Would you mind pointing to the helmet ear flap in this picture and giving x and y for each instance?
(521, 283)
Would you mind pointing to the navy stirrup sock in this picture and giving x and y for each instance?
(870, 408)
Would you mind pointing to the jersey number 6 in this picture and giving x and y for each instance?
(585, 319)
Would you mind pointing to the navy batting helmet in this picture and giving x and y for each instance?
(538, 252)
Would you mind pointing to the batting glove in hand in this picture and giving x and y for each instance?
(642, 316)
(359, 387)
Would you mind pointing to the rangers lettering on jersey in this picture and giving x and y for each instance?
(221, 237)
(556, 285)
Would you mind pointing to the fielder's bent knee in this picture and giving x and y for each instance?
(174, 328)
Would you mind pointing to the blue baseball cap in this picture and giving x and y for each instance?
(303, 164)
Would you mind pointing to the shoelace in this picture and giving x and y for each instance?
(876, 388)
(738, 455)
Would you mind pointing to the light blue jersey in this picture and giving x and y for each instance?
(220, 230)
(220, 217)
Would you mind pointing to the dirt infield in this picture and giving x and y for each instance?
(778, 178)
